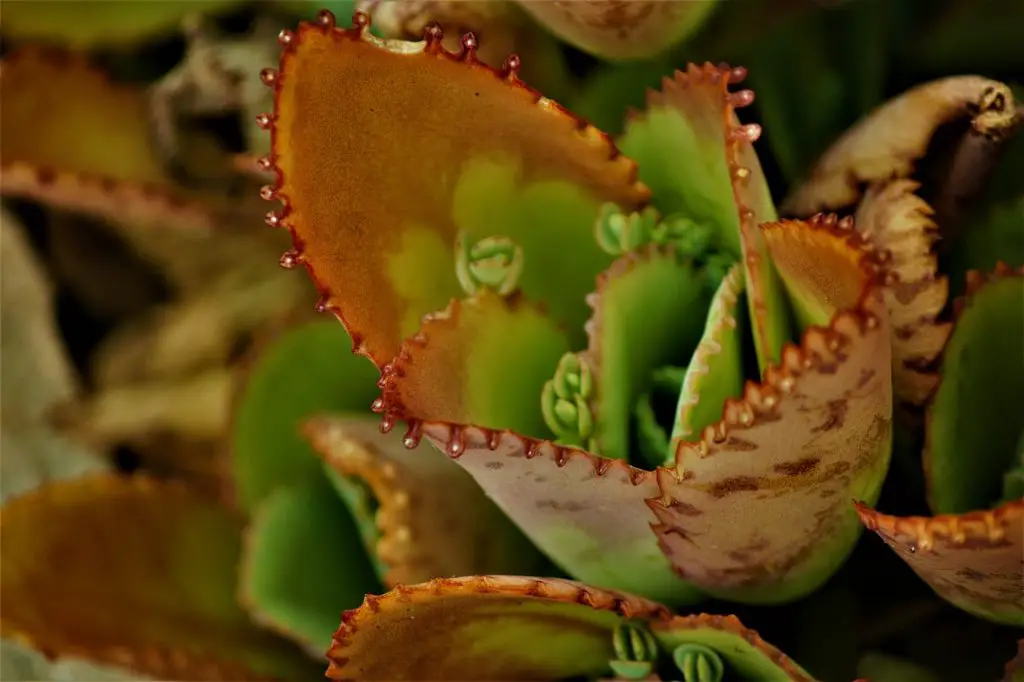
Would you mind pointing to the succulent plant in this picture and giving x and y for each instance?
(701, 292)
(644, 387)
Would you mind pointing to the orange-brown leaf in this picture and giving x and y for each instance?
(74, 138)
(483, 628)
(427, 144)
(134, 573)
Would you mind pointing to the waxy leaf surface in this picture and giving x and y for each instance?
(648, 309)
(134, 573)
(483, 628)
(430, 144)
(306, 369)
(720, 184)
(303, 564)
(431, 518)
(973, 437)
(587, 513)
(973, 560)
(797, 447)
(75, 139)
(482, 361)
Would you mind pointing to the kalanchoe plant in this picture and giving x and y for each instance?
(782, 368)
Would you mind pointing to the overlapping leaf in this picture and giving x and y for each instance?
(492, 158)
(134, 573)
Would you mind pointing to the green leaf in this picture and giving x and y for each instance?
(715, 373)
(308, 369)
(972, 436)
(720, 185)
(483, 362)
(149, 581)
(746, 656)
(647, 312)
(304, 564)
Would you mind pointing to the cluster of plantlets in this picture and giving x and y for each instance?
(724, 432)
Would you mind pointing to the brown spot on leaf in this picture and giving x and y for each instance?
(495, 465)
(836, 416)
(737, 444)
(559, 505)
(799, 467)
(734, 485)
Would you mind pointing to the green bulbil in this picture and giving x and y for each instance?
(493, 262)
(636, 651)
(564, 402)
(698, 663)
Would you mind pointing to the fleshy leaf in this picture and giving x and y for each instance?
(492, 158)
(37, 374)
(483, 628)
(715, 372)
(306, 369)
(721, 184)
(115, 23)
(77, 140)
(888, 142)
(587, 513)
(621, 30)
(971, 438)
(745, 654)
(303, 564)
(134, 573)
(432, 519)
(896, 219)
(973, 560)
(482, 361)
(647, 308)
(797, 447)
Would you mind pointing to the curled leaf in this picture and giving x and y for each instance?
(896, 219)
(798, 446)
(715, 372)
(483, 628)
(615, 29)
(891, 140)
(721, 186)
(133, 573)
(645, 307)
(77, 140)
(494, 158)
(431, 519)
(973, 560)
